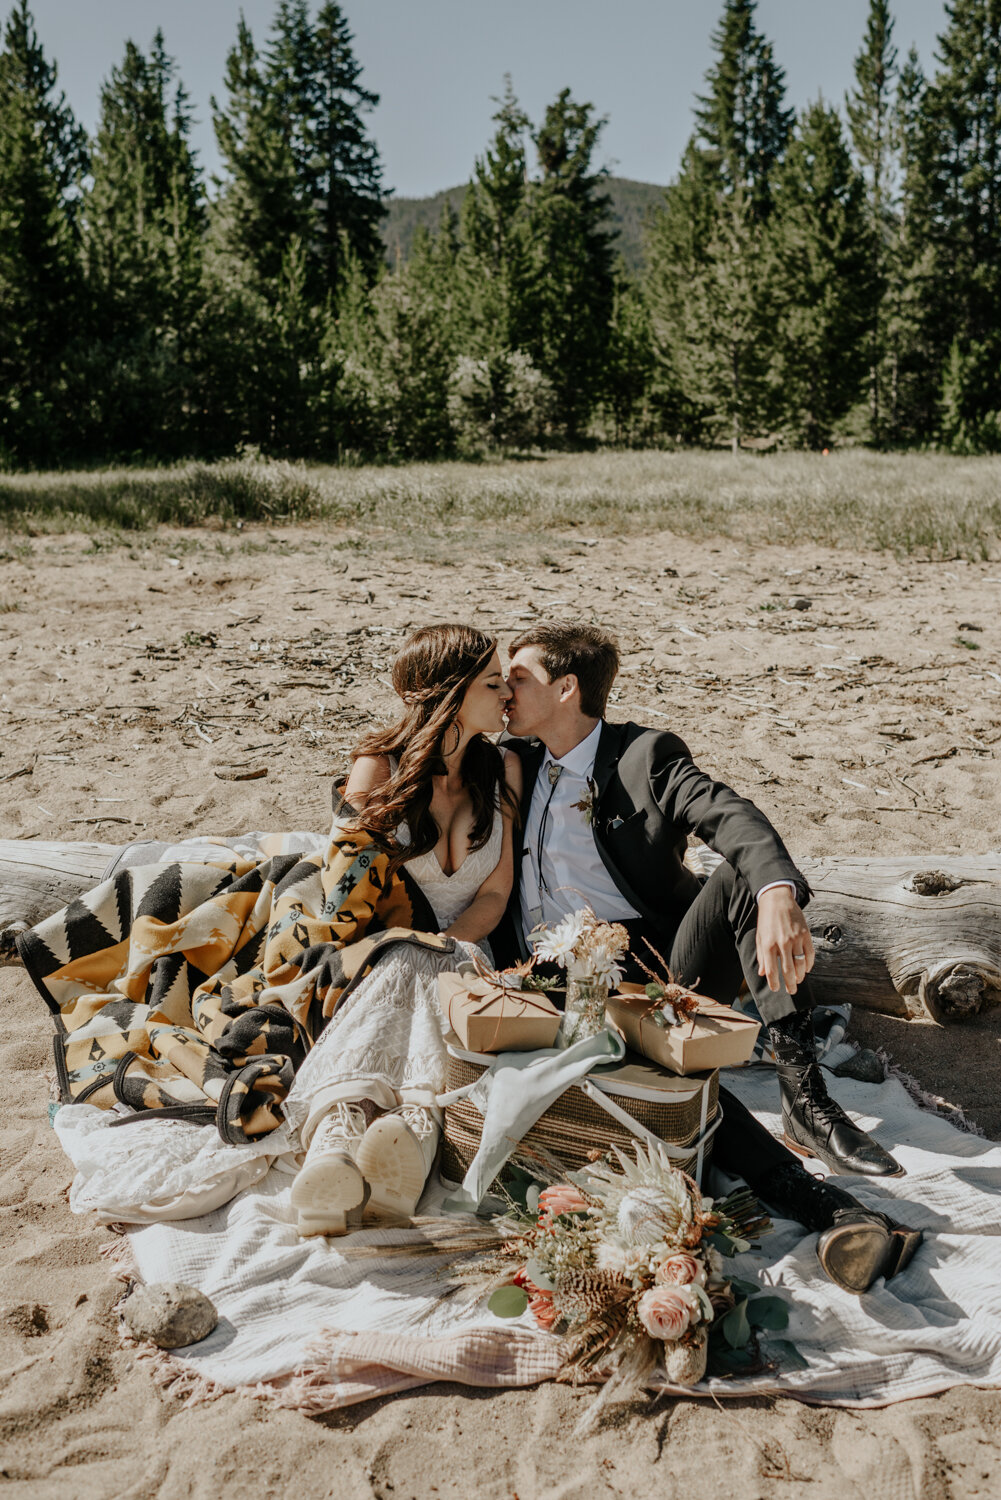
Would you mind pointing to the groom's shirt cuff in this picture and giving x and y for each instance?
(774, 885)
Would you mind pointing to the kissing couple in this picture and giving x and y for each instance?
(496, 830)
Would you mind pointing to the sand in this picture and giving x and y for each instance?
(136, 683)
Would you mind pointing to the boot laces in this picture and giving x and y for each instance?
(343, 1126)
(418, 1117)
(812, 1091)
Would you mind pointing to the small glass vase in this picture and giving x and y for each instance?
(584, 1016)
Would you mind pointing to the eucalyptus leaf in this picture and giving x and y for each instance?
(742, 1288)
(723, 1243)
(736, 1328)
(705, 1302)
(768, 1312)
(539, 1277)
(784, 1351)
(508, 1302)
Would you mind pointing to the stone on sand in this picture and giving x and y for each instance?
(169, 1314)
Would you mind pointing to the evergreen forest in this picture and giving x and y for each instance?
(811, 280)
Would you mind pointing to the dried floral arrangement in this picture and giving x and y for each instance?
(624, 1262)
(591, 951)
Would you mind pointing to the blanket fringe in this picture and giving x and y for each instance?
(924, 1099)
(119, 1252)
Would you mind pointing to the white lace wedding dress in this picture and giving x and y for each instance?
(386, 1043)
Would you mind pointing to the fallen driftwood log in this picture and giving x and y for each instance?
(908, 937)
(37, 878)
(919, 938)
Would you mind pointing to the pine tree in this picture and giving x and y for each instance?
(822, 245)
(962, 120)
(573, 262)
(871, 116)
(258, 211)
(705, 286)
(299, 163)
(42, 160)
(342, 177)
(143, 222)
(494, 264)
(914, 303)
(742, 121)
(629, 362)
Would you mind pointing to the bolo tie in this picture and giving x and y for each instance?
(554, 771)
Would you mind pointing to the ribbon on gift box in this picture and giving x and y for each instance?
(458, 993)
(530, 1003)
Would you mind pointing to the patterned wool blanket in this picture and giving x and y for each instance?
(196, 989)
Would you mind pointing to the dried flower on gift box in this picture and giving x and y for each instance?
(670, 1002)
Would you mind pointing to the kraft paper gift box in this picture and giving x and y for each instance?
(715, 1036)
(489, 1017)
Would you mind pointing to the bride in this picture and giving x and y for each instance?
(436, 792)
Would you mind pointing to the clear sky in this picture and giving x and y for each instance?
(436, 64)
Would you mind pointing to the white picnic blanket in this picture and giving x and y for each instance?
(385, 1327)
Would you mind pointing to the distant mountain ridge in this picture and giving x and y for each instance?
(631, 202)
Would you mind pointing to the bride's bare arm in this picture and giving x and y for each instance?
(487, 906)
(367, 774)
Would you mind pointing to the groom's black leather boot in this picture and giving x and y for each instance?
(856, 1245)
(814, 1124)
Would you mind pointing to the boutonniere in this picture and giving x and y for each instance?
(586, 804)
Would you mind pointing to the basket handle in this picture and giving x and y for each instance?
(677, 1153)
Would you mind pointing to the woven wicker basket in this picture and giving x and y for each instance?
(577, 1126)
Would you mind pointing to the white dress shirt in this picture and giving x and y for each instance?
(562, 870)
(572, 873)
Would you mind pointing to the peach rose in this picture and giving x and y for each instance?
(561, 1199)
(542, 1309)
(680, 1270)
(667, 1312)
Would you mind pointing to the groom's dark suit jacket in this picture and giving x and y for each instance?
(649, 795)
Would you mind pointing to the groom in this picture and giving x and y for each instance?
(606, 810)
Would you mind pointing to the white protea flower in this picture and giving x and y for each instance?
(557, 943)
(647, 1202)
(649, 1215)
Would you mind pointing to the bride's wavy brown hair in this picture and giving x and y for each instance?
(431, 675)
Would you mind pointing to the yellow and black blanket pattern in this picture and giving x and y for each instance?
(197, 989)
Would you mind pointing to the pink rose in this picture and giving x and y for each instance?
(667, 1312)
(680, 1270)
(561, 1199)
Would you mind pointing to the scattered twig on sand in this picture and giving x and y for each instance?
(24, 771)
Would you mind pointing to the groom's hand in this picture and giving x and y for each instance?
(784, 945)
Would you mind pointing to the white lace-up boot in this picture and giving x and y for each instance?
(330, 1188)
(396, 1154)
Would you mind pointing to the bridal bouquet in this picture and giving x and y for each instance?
(591, 952)
(625, 1264)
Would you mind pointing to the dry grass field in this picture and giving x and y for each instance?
(922, 504)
